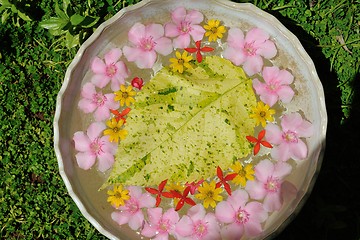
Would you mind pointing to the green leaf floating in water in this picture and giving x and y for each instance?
(185, 125)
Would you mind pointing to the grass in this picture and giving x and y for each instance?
(34, 203)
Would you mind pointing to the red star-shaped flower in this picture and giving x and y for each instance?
(183, 198)
(223, 180)
(198, 49)
(121, 115)
(159, 192)
(259, 141)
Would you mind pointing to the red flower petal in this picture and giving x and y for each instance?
(256, 148)
(190, 50)
(199, 57)
(261, 134)
(266, 144)
(252, 139)
(206, 49)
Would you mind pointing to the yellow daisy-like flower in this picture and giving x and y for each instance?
(214, 30)
(125, 95)
(118, 196)
(180, 62)
(114, 130)
(244, 173)
(209, 193)
(262, 113)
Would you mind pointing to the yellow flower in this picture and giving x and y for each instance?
(114, 131)
(244, 173)
(209, 193)
(125, 95)
(181, 61)
(214, 30)
(261, 113)
(118, 196)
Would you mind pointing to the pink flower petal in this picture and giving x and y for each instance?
(171, 215)
(155, 31)
(148, 231)
(305, 129)
(281, 169)
(131, 53)
(101, 113)
(182, 41)
(194, 16)
(270, 73)
(273, 202)
(253, 65)
(110, 103)
(281, 152)
(273, 134)
(184, 227)
(213, 227)
(120, 217)
(256, 35)
(136, 220)
(95, 129)
(178, 15)
(285, 94)
(82, 142)
(87, 105)
(100, 80)
(264, 170)
(171, 30)
(197, 32)
(238, 199)
(285, 77)
(256, 189)
(298, 151)
(147, 60)
(257, 212)
(163, 46)
(136, 33)
(112, 56)
(197, 212)
(135, 192)
(291, 121)
(252, 229)
(154, 215)
(146, 201)
(88, 90)
(85, 160)
(269, 98)
(234, 56)
(233, 231)
(224, 212)
(98, 66)
(235, 38)
(267, 49)
(106, 160)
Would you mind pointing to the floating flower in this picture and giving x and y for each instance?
(92, 146)
(147, 42)
(249, 50)
(287, 140)
(262, 113)
(159, 192)
(223, 180)
(194, 186)
(120, 115)
(109, 69)
(214, 30)
(137, 83)
(268, 183)
(276, 86)
(198, 224)
(209, 193)
(180, 62)
(160, 225)
(125, 95)
(185, 25)
(198, 49)
(114, 130)
(131, 212)
(243, 173)
(244, 218)
(118, 196)
(259, 141)
(183, 198)
(97, 102)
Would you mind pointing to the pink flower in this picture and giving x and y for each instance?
(268, 183)
(198, 225)
(249, 50)
(243, 217)
(131, 212)
(91, 147)
(287, 140)
(183, 26)
(276, 86)
(148, 41)
(96, 101)
(160, 225)
(109, 69)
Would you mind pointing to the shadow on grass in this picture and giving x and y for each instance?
(332, 211)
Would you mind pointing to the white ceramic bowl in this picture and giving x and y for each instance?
(83, 185)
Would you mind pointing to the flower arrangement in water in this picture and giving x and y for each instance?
(234, 202)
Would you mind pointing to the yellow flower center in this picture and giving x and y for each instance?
(125, 94)
(115, 129)
(262, 114)
(214, 30)
(181, 61)
(242, 173)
